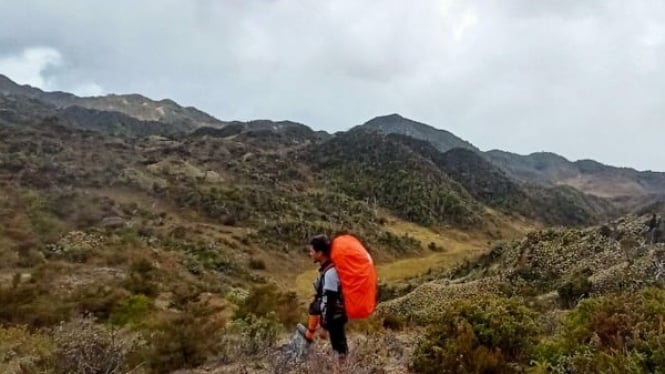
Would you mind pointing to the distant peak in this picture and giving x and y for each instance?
(168, 102)
(391, 116)
(397, 124)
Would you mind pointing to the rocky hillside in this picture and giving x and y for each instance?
(569, 300)
(285, 132)
(622, 255)
(137, 106)
(20, 110)
(618, 184)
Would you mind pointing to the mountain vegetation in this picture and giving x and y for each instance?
(142, 236)
(568, 300)
(627, 188)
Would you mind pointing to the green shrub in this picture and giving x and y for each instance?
(99, 301)
(186, 339)
(399, 244)
(268, 299)
(618, 333)
(44, 224)
(22, 351)
(142, 278)
(33, 304)
(29, 255)
(478, 336)
(572, 291)
(255, 334)
(132, 311)
(129, 237)
(75, 246)
(389, 291)
(392, 322)
(202, 256)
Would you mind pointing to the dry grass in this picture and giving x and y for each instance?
(607, 187)
(456, 246)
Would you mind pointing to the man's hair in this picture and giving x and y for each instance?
(321, 243)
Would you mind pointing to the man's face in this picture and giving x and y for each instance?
(314, 255)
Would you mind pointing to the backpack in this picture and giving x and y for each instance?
(357, 275)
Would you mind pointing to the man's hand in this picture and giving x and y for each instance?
(323, 333)
(305, 332)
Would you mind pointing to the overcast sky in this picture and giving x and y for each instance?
(582, 78)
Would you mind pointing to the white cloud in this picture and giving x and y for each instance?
(466, 22)
(28, 67)
(580, 78)
(39, 67)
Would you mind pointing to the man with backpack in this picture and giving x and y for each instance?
(346, 288)
(327, 309)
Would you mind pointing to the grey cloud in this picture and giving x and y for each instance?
(580, 78)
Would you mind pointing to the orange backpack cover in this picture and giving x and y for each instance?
(357, 275)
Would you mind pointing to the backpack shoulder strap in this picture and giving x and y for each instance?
(325, 270)
(319, 281)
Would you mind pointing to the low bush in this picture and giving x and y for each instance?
(22, 351)
(186, 339)
(252, 335)
(478, 336)
(84, 346)
(32, 304)
(266, 299)
(142, 278)
(574, 290)
(619, 333)
(132, 311)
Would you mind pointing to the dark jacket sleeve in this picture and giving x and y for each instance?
(329, 307)
(315, 307)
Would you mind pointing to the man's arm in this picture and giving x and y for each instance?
(328, 307)
(330, 296)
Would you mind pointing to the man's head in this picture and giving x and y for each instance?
(319, 248)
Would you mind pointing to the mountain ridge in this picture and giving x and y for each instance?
(394, 123)
(626, 187)
(620, 184)
(134, 105)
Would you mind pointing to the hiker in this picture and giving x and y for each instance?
(327, 308)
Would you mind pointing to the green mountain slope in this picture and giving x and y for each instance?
(376, 169)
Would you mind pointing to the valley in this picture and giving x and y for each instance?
(187, 235)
